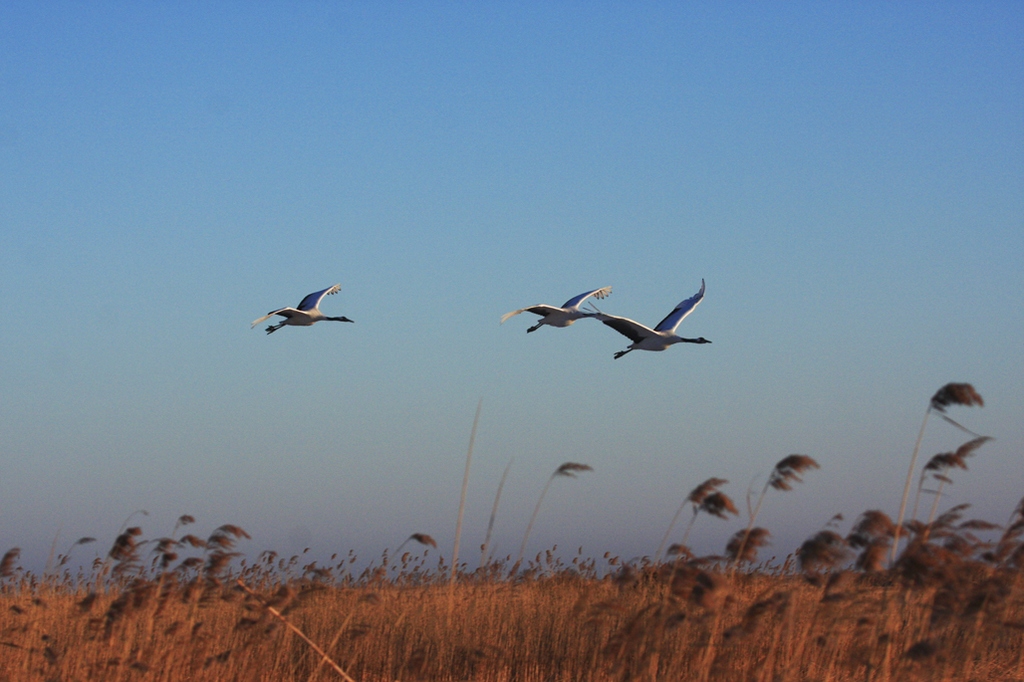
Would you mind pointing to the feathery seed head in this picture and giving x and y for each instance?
(124, 548)
(709, 486)
(950, 460)
(679, 550)
(192, 541)
(979, 524)
(968, 448)
(948, 518)
(757, 538)
(955, 394)
(226, 536)
(944, 461)
(216, 562)
(788, 470)
(423, 539)
(718, 504)
(826, 550)
(7, 563)
(164, 545)
(570, 469)
(871, 526)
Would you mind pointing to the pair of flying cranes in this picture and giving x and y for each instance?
(643, 337)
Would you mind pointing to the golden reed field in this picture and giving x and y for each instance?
(935, 598)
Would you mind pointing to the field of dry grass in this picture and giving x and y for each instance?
(939, 614)
(934, 599)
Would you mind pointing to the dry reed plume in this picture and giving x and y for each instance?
(950, 394)
(786, 472)
(707, 498)
(569, 470)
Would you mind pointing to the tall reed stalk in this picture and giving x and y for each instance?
(704, 497)
(786, 472)
(465, 486)
(485, 549)
(569, 469)
(950, 394)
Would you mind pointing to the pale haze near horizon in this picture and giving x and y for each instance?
(847, 180)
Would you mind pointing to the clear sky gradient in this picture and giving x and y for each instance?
(848, 180)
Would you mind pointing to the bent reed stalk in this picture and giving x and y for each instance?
(568, 469)
(485, 548)
(288, 624)
(950, 394)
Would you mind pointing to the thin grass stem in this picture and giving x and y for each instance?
(529, 526)
(485, 556)
(277, 614)
(906, 488)
(465, 486)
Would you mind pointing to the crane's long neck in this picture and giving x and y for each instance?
(338, 319)
(680, 339)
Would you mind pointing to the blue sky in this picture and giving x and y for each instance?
(849, 181)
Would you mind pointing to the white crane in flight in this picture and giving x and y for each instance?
(663, 335)
(560, 317)
(305, 314)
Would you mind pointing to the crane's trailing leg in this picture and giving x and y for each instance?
(533, 328)
(621, 353)
(274, 327)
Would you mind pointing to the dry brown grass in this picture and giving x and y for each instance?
(950, 609)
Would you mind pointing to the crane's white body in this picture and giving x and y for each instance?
(303, 315)
(663, 335)
(560, 317)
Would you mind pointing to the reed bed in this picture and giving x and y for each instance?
(950, 608)
(944, 604)
(680, 620)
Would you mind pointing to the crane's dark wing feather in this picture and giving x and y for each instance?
(628, 328)
(542, 310)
